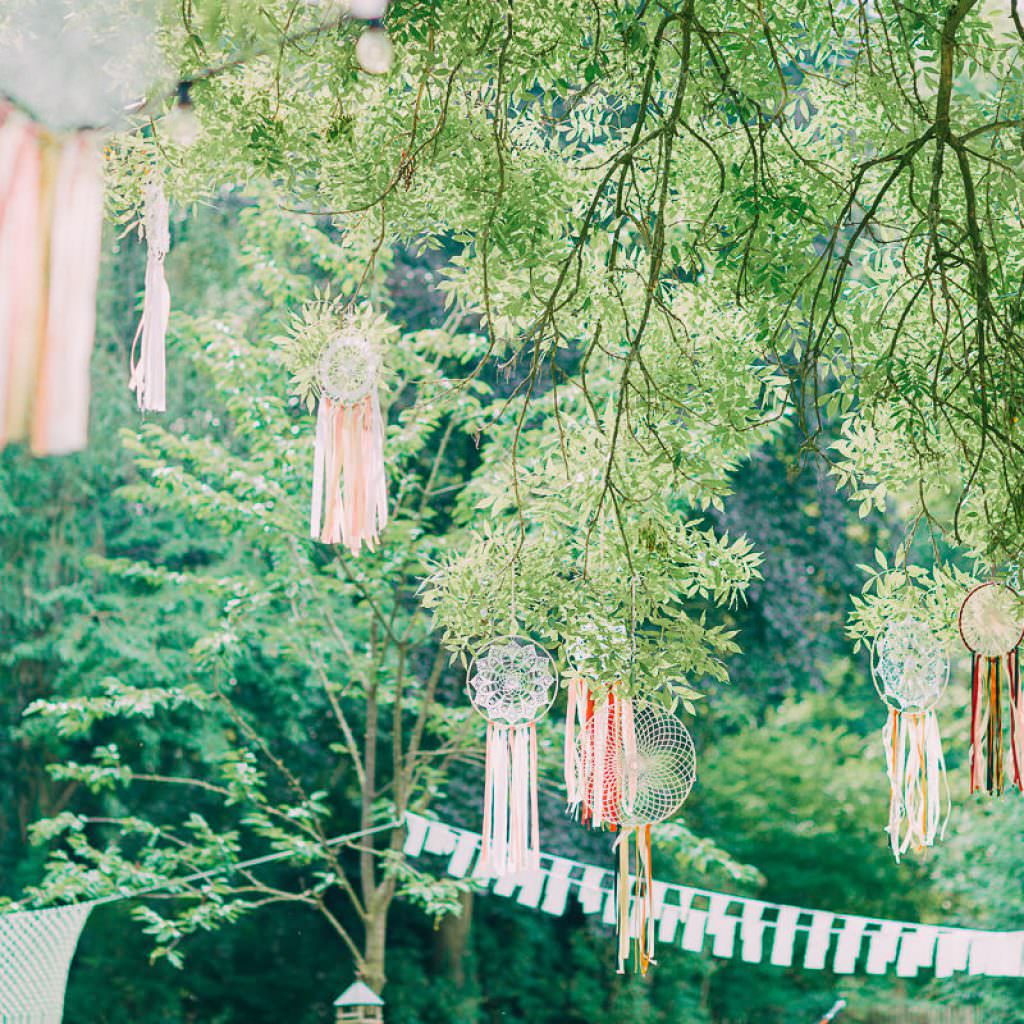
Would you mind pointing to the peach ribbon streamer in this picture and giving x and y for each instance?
(917, 781)
(350, 493)
(51, 220)
(510, 841)
(149, 373)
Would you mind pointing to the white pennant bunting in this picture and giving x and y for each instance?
(697, 918)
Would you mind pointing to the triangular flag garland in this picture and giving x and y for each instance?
(512, 683)
(910, 671)
(724, 925)
(36, 948)
(992, 627)
(51, 220)
(149, 370)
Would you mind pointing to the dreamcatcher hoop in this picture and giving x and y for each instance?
(504, 692)
(651, 773)
(349, 367)
(929, 669)
(980, 631)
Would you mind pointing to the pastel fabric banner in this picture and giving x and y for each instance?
(36, 948)
(701, 921)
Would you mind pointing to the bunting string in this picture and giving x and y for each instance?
(725, 925)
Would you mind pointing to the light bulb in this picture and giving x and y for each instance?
(368, 10)
(181, 124)
(375, 52)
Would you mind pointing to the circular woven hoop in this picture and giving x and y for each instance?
(348, 368)
(512, 681)
(990, 620)
(665, 768)
(909, 667)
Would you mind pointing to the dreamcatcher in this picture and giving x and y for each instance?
(51, 214)
(992, 626)
(350, 493)
(511, 683)
(910, 671)
(638, 775)
(149, 374)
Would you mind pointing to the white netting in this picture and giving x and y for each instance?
(909, 666)
(992, 620)
(511, 681)
(646, 776)
(36, 948)
(348, 368)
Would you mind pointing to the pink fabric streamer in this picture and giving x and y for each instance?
(60, 419)
(511, 832)
(22, 270)
(149, 373)
(350, 493)
(51, 219)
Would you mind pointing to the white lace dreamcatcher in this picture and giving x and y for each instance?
(910, 671)
(991, 624)
(512, 683)
(350, 494)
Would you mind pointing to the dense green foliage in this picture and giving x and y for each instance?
(696, 319)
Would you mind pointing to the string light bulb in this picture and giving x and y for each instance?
(181, 124)
(374, 51)
(368, 10)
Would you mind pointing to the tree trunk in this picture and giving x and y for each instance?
(374, 947)
(453, 941)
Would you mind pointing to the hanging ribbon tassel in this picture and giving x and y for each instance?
(987, 763)
(51, 218)
(917, 781)
(1016, 719)
(22, 269)
(511, 832)
(149, 373)
(575, 725)
(634, 899)
(60, 414)
(349, 447)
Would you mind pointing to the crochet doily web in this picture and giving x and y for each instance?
(991, 620)
(511, 682)
(649, 784)
(348, 368)
(910, 666)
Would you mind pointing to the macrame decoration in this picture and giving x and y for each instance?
(511, 683)
(992, 628)
(149, 372)
(910, 671)
(636, 767)
(350, 493)
(51, 216)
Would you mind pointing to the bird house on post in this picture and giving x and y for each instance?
(359, 1004)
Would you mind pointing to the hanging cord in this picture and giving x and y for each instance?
(632, 632)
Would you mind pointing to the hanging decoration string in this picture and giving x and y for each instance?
(149, 371)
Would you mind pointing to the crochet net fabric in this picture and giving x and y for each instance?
(991, 620)
(649, 775)
(511, 682)
(348, 368)
(910, 666)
